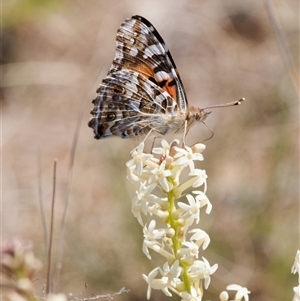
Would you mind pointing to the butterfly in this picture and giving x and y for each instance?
(142, 92)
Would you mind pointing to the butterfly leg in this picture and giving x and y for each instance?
(148, 134)
(154, 138)
(146, 137)
(184, 134)
(211, 131)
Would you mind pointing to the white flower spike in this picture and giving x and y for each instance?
(169, 232)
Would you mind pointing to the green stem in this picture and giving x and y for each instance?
(176, 240)
(173, 223)
(185, 277)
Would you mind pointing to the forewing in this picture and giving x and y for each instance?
(139, 47)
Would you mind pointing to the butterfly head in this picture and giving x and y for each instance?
(196, 114)
(201, 114)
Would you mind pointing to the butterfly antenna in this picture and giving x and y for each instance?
(229, 104)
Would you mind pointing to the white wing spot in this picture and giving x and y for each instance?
(153, 49)
(162, 75)
(131, 88)
(133, 51)
(143, 39)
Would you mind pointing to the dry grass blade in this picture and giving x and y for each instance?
(294, 76)
(41, 202)
(69, 184)
(48, 286)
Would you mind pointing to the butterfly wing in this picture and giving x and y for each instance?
(141, 87)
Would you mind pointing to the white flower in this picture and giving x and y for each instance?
(242, 292)
(201, 178)
(296, 265)
(172, 272)
(193, 296)
(151, 234)
(56, 297)
(201, 238)
(136, 211)
(159, 175)
(150, 237)
(157, 210)
(187, 157)
(141, 202)
(193, 209)
(202, 270)
(158, 284)
(296, 290)
(25, 285)
(158, 248)
(138, 159)
(131, 174)
(204, 201)
(164, 150)
(191, 250)
(179, 189)
(148, 244)
(224, 296)
(198, 148)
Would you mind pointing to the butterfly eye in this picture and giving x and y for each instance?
(110, 116)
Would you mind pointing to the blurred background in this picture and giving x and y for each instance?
(54, 55)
